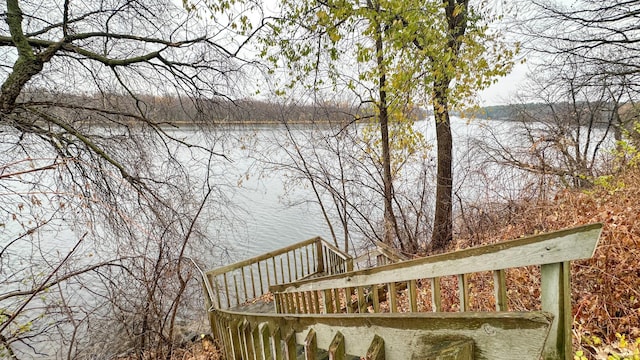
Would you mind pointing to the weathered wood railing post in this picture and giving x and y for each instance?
(556, 299)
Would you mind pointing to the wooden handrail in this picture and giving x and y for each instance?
(241, 282)
(555, 247)
(310, 309)
(552, 251)
(262, 257)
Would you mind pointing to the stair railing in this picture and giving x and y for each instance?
(244, 281)
(361, 291)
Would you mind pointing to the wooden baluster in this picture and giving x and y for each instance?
(261, 279)
(296, 302)
(463, 292)
(336, 300)
(347, 299)
(555, 290)
(284, 303)
(311, 346)
(289, 266)
(217, 290)
(226, 290)
(290, 302)
(244, 284)
(376, 298)
(275, 271)
(500, 290)
(316, 302)
(336, 349)
(436, 297)
(282, 270)
(306, 250)
(412, 296)
(318, 257)
(277, 300)
(295, 265)
(327, 302)
(391, 296)
(304, 304)
(253, 282)
(235, 286)
(362, 304)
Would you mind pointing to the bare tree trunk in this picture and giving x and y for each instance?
(442, 225)
(390, 223)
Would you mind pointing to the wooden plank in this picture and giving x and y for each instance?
(234, 336)
(276, 346)
(413, 296)
(556, 299)
(311, 346)
(290, 346)
(266, 342)
(391, 297)
(305, 306)
(217, 291)
(226, 290)
(282, 271)
(289, 266)
(441, 348)
(253, 283)
(362, 304)
(247, 341)
(319, 257)
(337, 348)
(275, 273)
(347, 301)
(293, 297)
(295, 266)
(327, 301)
(257, 345)
(244, 284)
(496, 336)
(306, 250)
(266, 270)
(376, 298)
(500, 290)
(376, 349)
(235, 288)
(463, 292)
(336, 300)
(436, 295)
(316, 302)
(559, 246)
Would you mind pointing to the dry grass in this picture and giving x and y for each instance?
(606, 288)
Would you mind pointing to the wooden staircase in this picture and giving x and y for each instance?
(306, 302)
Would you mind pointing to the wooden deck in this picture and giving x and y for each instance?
(395, 311)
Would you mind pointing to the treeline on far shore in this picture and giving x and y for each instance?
(600, 113)
(172, 110)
